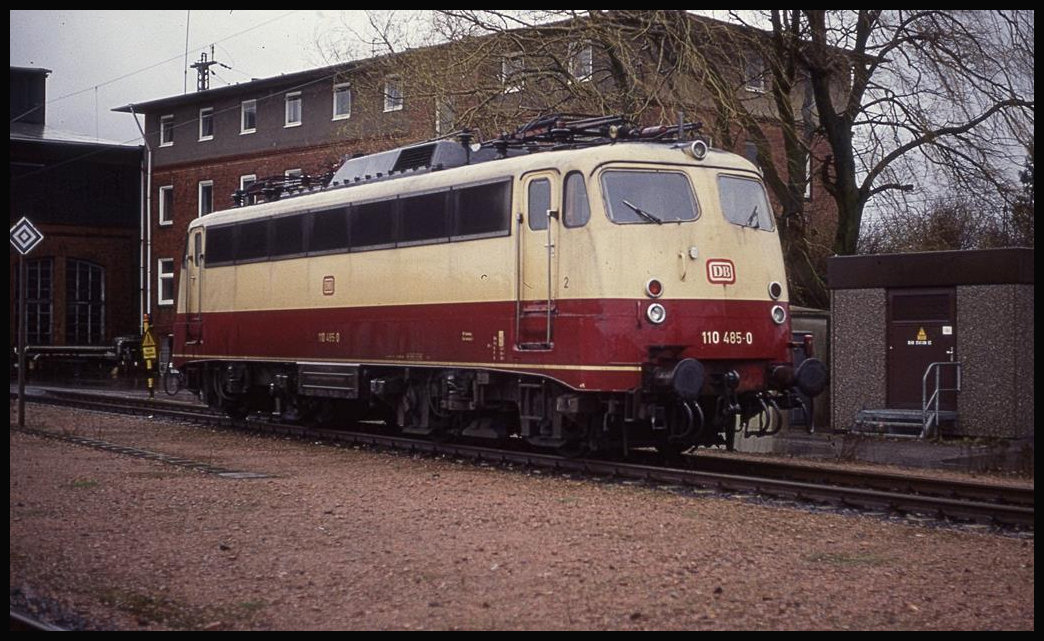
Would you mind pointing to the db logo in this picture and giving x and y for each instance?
(721, 271)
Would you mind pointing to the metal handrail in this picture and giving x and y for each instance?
(928, 418)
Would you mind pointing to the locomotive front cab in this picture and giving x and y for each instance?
(692, 275)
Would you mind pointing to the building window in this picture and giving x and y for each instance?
(244, 183)
(292, 177)
(581, 63)
(165, 281)
(38, 304)
(511, 68)
(342, 101)
(206, 123)
(393, 94)
(84, 303)
(166, 131)
(445, 116)
(750, 152)
(808, 177)
(755, 73)
(166, 205)
(293, 109)
(206, 197)
(248, 117)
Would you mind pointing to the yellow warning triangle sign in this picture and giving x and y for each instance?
(921, 335)
(148, 340)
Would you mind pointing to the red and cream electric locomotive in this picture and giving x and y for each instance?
(580, 284)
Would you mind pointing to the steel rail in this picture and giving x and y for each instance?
(864, 490)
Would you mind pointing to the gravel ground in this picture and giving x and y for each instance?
(346, 538)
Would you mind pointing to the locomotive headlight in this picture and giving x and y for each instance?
(698, 150)
(775, 290)
(656, 313)
(654, 288)
(779, 315)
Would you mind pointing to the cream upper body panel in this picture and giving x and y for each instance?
(600, 259)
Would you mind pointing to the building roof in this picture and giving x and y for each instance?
(38, 70)
(281, 81)
(1012, 265)
(28, 132)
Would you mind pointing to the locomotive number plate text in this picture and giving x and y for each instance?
(727, 338)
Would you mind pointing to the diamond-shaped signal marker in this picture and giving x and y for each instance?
(24, 236)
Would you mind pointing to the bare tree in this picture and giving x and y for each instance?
(872, 102)
(944, 88)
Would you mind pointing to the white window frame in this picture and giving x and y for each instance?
(808, 176)
(166, 217)
(293, 102)
(245, 107)
(755, 73)
(750, 152)
(344, 89)
(581, 62)
(445, 115)
(245, 181)
(393, 98)
(511, 67)
(199, 197)
(164, 275)
(206, 114)
(166, 131)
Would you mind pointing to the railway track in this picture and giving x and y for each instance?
(887, 492)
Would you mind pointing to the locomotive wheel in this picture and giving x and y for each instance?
(672, 450)
(573, 448)
(236, 411)
(577, 435)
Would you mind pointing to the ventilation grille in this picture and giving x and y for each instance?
(414, 157)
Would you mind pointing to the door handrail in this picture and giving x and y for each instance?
(930, 404)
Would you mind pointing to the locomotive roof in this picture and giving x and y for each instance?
(476, 167)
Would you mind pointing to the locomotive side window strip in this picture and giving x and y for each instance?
(253, 241)
(287, 236)
(424, 218)
(447, 215)
(372, 225)
(221, 245)
(329, 231)
(482, 211)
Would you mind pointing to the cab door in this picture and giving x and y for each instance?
(538, 234)
(194, 288)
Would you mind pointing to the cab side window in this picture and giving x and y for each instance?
(577, 209)
(539, 203)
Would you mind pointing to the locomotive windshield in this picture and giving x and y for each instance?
(650, 197)
(743, 202)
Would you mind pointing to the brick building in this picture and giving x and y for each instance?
(84, 196)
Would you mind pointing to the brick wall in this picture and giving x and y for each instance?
(114, 249)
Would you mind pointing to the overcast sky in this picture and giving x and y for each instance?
(100, 60)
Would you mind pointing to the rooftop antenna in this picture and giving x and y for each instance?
(188, 16)
(203, 69)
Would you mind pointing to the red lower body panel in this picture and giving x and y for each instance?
(595, 344)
